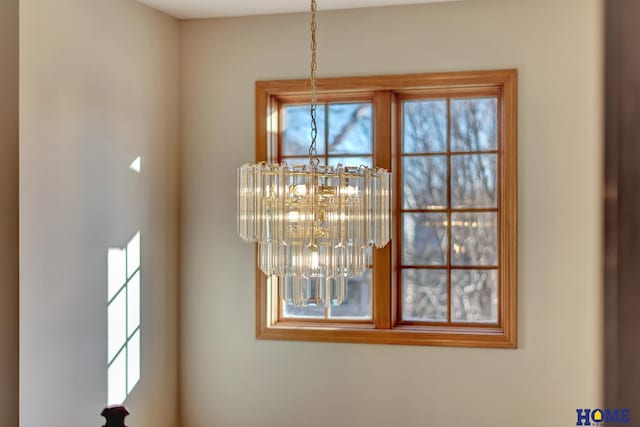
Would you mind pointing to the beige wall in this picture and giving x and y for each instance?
(99, 87)
(9, 213)
(230, 379)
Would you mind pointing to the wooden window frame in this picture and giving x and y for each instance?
(386, 92)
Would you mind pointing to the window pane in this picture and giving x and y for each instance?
(424, 240)
(424, 126)
(350, 161)
(474, 181)
(296, 135)
(311, 311)
(133, 357)
(117, 324)
(474, 296)
(117, 380)
(133, 254)
(474, 124)
(424, 182)
(358, 303)
(424, 295)
(474, 239)
(350, 129)
(133, 305)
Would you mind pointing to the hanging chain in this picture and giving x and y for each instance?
(313, 154)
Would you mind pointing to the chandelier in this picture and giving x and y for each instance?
(314, 225)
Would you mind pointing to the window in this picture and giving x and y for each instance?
(123, 320)
(345, 135)
(448, 277)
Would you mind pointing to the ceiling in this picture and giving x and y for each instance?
(191, 9)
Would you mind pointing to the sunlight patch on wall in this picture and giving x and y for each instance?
(136, 165)
(123, 320)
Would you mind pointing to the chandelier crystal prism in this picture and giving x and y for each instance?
(314, 225)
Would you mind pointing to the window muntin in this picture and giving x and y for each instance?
(444, 94)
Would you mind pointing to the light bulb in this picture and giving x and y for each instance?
(300, 190)
(294, 216)
(350, 191)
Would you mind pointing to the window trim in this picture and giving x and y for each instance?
(385, 91)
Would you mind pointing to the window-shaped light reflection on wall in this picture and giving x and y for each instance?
(123, 320)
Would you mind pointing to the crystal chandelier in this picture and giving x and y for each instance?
(314, 225)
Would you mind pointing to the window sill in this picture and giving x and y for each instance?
(481, 337)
